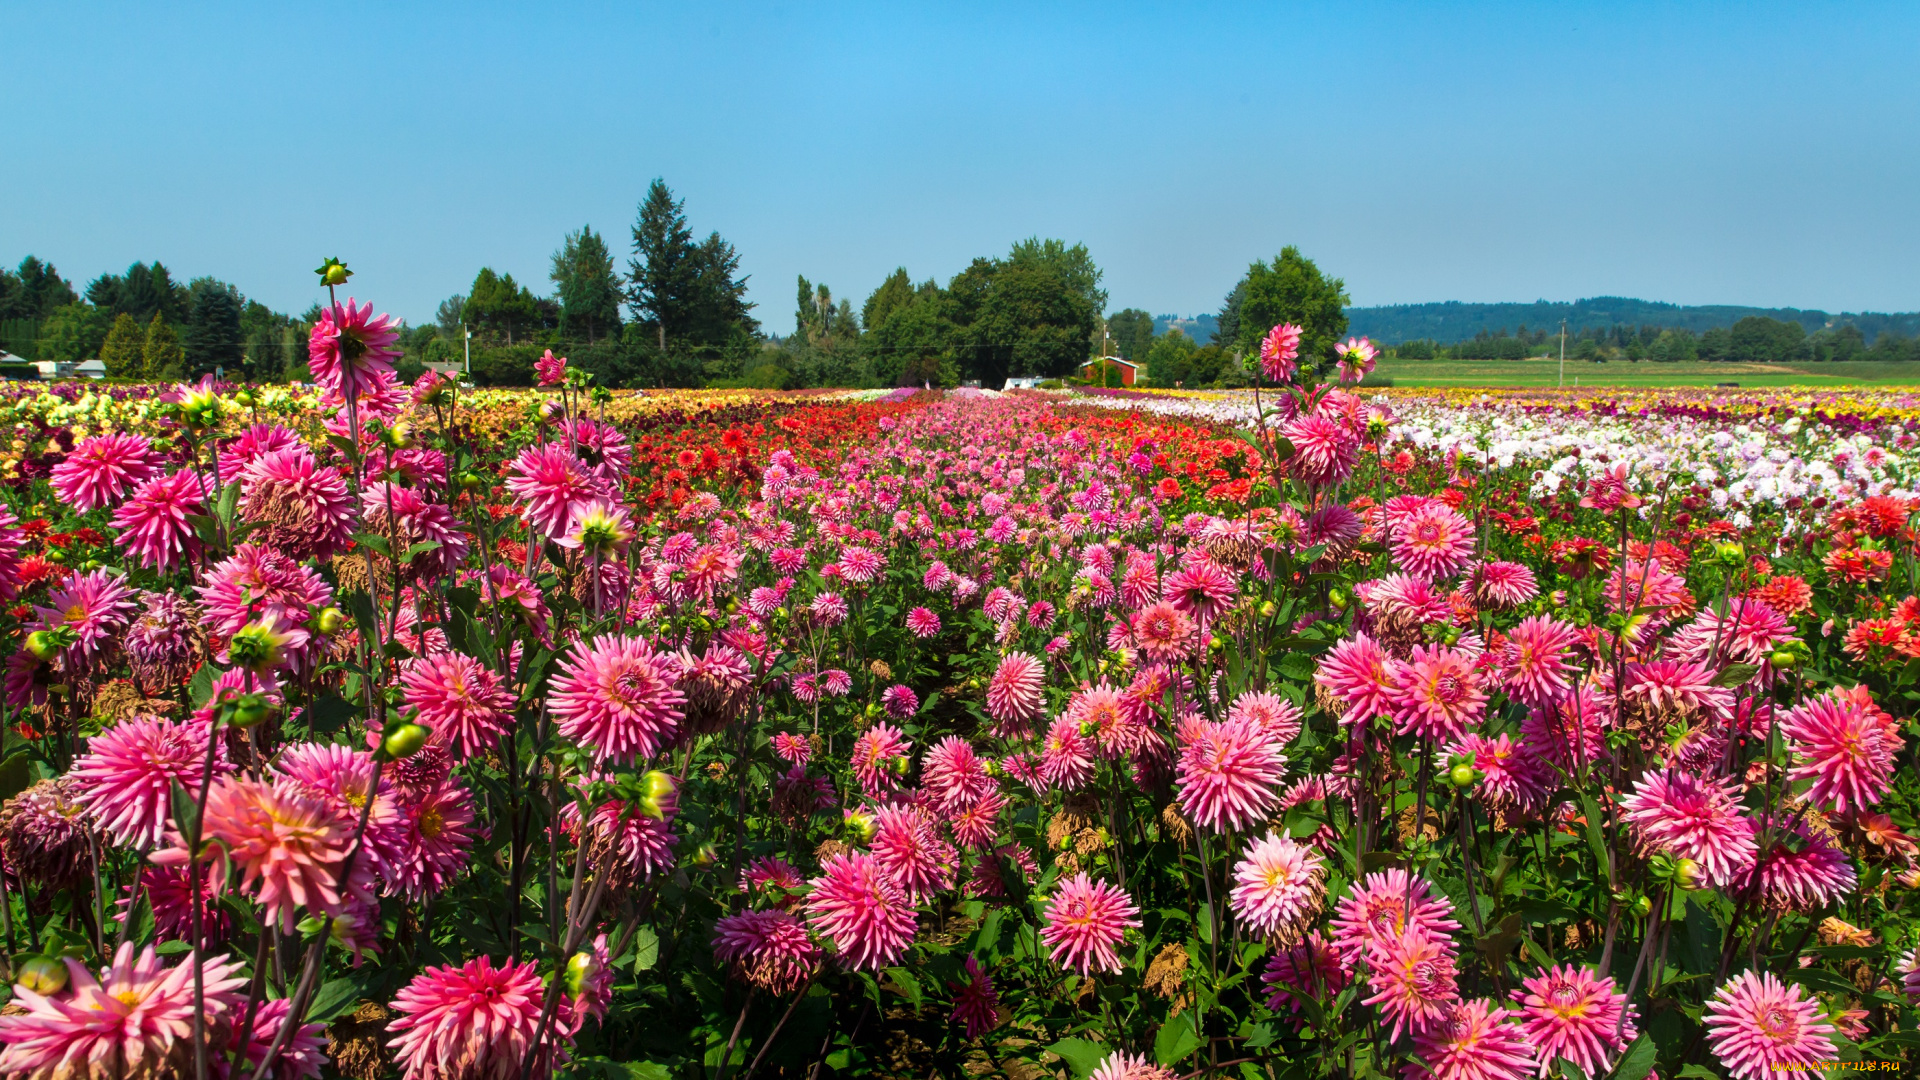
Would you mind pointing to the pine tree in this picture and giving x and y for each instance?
(664, 273)
(214, 339)
(589, 287)
(125, 348)
(162, 357)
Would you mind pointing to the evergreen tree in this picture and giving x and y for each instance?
(75, 332)
(663, 274)
(124, 351)
(35, 291)
(214, 338)
(161, 356)
(588, 286)
(497, 306)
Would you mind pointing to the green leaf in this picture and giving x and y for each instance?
(646, 949)
(1697, 1071)
(1596, 838)
(330, 714)
(904, 984)
(623, 1070)
(420, 548)
(229, 502)
(1081, 1055)
(1297, 666)
(201, 688)
(334, 997)
(172, 948)
(1638, 1061)
(16, 774)
(374, 541)
(1736, 675)
(186, 811)
(1176, 1040)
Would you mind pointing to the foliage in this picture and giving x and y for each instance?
(588, 287)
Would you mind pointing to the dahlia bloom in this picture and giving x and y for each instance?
(1472, 1041)
(1277, 352)
(548, 480)
(954, 775)
(1356, 358)
(873, 757)
(45, 836)
(1688, 817)
(460, 699)
(1568, 1012)
(341, 777)
(1534, 660)
(437, 827)
(1414, 981)
(137, 1020)
(1085, 919)
(1759, 1027)
(102, 469)
(1803, 871)
(1066, 756)
(1276, 884)
(922, 623)
(301, 1058)
(551, 370)
(1434, 542)
(1201, 589)
(350, 349)
(1164, 632)
(1501, 585)
(1324, 451)
(162, 643)
(304, 507)
(1273, 714)
(1359, 674)
(856, 904)
(10, 541)
(910, 851)
(1437, 693)
(1306, 970)
(767, 949)
(1845, 745)
(255, 581)
(976, 824)
(126, 777)
(1513, 778)
(96, 606)
(1121, 1065)
(618, 698)
(153, 522)
(975, 1003)
(288, 845)
(404, 517)
(1016, 692)
(1228, 773)
(1383, 907)
(474, 1022)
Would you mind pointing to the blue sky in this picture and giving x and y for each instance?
(1698, 153)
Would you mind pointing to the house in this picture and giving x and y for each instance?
(54, 369)
(1108, 366)
(90, 369)
(1021, 382)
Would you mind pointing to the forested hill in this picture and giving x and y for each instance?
(1453, 321)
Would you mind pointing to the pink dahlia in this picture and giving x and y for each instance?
(1324, 451)
(255, 581)
(767, 949)
(975, 1004)
(460, 699)
(1356, 358)
(910, 851)
(1383, 907)
(350, 349)
(10, 540)
(1273, 714)
(1276, 885)
(1085, 919)
(1201, 589)
(102, 469)
(1568, 1012)
(922, 623)
(618, 698)
(1435, 542)
(437, 827)
(1437, 694)
(474, 1022)
(900, 701)
(340, 777)
(1121, 1065)
(1359, 674)
(254, 441)
(600, 447)
(1066, 755)
(792, 749)
(1016, 693)
(1690, 817)
(1675, 690)
(856, 904)
(1499, 585)
(1307, 970)
(126, 777)
(877, 757)
(96, 606)
(1534, 661)
(1277, 352)
(1164, 632)
(1414, 981)
(1803, 871)
(954, 776)
(548, 480)
(1228, 774)
(405, 517)
(301, 1058)
(1845, 746)
(135, 1021)
(289, 848)
(549, 369)
(978, 823)
(303, 507)
(1513, 777)
(1759, 1027)
(1118, 727)
(1472, 1041)
(153, 523)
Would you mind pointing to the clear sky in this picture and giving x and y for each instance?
(1746, 153)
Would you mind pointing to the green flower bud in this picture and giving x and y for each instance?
(333, 272)
(1462, 775)
(581, 966)
(43, 645)
(658, 794)
(1730, 552)
(1642, 906)
(860, 826)
(705, 855)
(1783, 660)
(404, 741)
(1269, 609)
(1687, 874)
(472, 481)
(400, 435)
(1338, 598)
(247, 710)
(329, 621)
(43, 975)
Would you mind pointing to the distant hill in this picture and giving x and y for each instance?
(1454, 321)
(1198, 327)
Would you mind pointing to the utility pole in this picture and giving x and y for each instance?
(1563, 354)
(468, 345)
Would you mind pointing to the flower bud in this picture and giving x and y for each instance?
(659, 795)
(472, 481)
(43, 975)
(329, 621)
(860, 826)
(43, 646)
(1729, 552)
(1461, 775)
(248, 710)
(899, 764)
(1687, 874)
(705, 855)
(404, 741)
(581, 967)
(400, 435)
(1783, 660)
(1268, 609)
(1338, 598)
(1642, 906)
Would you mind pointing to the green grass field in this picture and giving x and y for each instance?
(1545, 372)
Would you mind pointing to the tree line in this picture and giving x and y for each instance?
(1751, 339)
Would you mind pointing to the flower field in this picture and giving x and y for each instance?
(370, 730)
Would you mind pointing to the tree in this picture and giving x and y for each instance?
(1169, 359)
(76, 332)
(124, 351)
(1758, 339)
(450, 314)
(161, 356)
(895, 292)
(1025, 316)
(142, 292)
(909, 333)
(34, 291)
(1290, 290)
(1073, 264)
(589, 289)
(497, 305)
(662, 274)
(1132, 332)
(213, 336)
